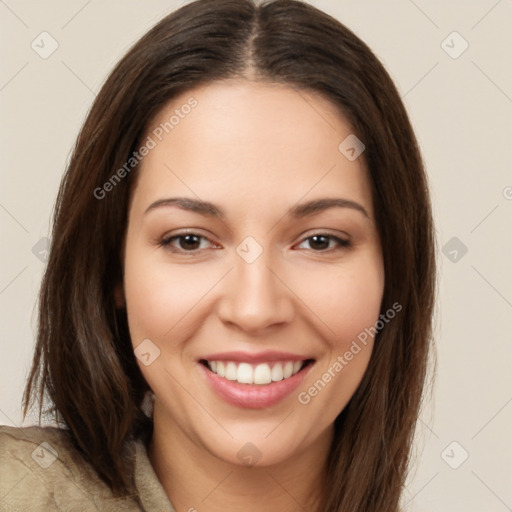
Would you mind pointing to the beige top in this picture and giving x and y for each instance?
(41, 470)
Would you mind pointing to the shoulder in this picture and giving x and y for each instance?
(40, 469)
(17, 437)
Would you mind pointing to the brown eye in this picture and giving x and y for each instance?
(188, 242)
(319, 242)
(324, 242)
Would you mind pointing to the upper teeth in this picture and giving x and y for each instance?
(262, 373)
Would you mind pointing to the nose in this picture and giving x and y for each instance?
(255, 297)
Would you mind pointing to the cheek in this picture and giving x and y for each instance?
(162, 304)
(159, 296)
(346, 299)
(348, 303)
(162, 298)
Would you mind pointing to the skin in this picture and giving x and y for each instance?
(253, 149)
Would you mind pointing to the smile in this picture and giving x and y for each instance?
(260, 374)
(254, 382)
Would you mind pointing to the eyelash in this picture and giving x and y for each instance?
(341, 243)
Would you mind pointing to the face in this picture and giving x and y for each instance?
(252, 264)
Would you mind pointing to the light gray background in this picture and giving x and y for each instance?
(461, 109)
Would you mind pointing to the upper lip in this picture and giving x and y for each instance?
(259, 357)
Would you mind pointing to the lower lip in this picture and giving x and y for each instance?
(252, 396)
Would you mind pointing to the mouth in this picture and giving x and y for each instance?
(260, 374)
(254, 382)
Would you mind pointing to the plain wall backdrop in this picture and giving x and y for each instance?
(451, 61)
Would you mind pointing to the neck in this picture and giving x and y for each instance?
(194, 479)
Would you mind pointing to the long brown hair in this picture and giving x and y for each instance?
(84, 362)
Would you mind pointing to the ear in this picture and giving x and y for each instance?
(119, 296)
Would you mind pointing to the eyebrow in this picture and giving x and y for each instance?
(298, 211)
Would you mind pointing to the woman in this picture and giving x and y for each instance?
(236, 312)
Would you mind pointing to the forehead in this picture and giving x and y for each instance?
(252, 144)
